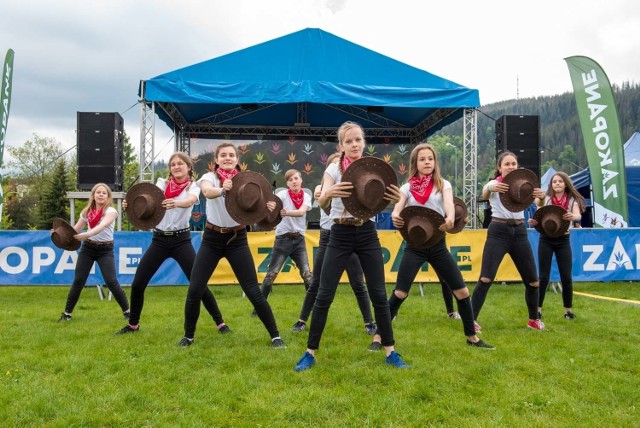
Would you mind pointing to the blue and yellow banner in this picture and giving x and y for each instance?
(30, 258)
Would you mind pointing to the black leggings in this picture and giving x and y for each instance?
(179, 248)
(214, 247)
(103, 255)
(354, 273)
(509, 239)
(344, 241)
(561, 247)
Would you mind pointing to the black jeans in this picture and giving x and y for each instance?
(509, 239)
(561, 247)
(344, 241)
(445, 267)
(179, 248)
(103, 255)
(214, 247)
(354, 273)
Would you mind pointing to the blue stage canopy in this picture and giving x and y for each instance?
(307, 79)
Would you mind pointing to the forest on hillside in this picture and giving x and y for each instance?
(561, 141)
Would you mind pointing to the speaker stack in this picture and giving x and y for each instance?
(100, 147)
(520, 135)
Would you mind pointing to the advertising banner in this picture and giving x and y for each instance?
(602, 139)
(5, 104)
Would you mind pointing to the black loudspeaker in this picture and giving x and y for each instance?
(100, 147)
(520, 135)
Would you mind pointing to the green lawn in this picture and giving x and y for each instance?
(78, 373)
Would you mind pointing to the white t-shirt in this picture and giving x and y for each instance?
(435, 201)
(337, 207)
(292, 224)
(177, 218)
(497, 208)
(216, 210)
(106, 234)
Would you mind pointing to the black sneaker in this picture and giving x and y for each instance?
(298, 327)
(127, 329)
(277, 342)
(481, 344)
(370, 328)
(374, 346)
(569, 316)
(224, 329)
(185, 341)
(64, 317)
(127, 315)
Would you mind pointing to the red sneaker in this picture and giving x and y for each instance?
(535, 324)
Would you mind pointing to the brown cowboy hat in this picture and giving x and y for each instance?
(144, 205)
(421, 226)
(550, 221)
(461, 214)
(62, 235)
(370, 177)
(246, 202)
(520, 194)
(273, 218)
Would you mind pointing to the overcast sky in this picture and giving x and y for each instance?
(90, 55)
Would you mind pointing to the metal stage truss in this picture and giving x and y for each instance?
(214, 127)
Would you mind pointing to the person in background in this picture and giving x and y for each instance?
(97, 246)
(507, 234)
(290, 231)
(172, 240)
(354, 272)
(428, 189)
(224, 237)
(350, 235)
(562, 193)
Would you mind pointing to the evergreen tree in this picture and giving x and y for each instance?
(54, 197)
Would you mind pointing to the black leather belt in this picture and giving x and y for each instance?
(224, 229)
(509, 221)
(350, 221)
(292, 235)
(159, 232)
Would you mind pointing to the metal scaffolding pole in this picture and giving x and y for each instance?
(469, 165)
(147, 140)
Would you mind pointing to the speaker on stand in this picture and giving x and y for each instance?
(521, 135)
(100, 148)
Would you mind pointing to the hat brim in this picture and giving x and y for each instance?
(434, 217)
(519, 175)
(458, 222)
(383, 170)
(157, 195)
(230, 201)
(62, 236)
(554, 211)
(274, 217)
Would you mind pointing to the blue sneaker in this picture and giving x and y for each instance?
(306, 362)
(394, 360)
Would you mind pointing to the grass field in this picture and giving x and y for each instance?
(78, 373)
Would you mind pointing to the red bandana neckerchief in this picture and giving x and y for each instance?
(174, 188)
(297, 199)
(93, 217)
(225, 175)
(562, 202)
(345, 163)
(421, 188)
(499, 178)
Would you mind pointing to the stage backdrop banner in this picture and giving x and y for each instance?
(30, 258)
(603, 142)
